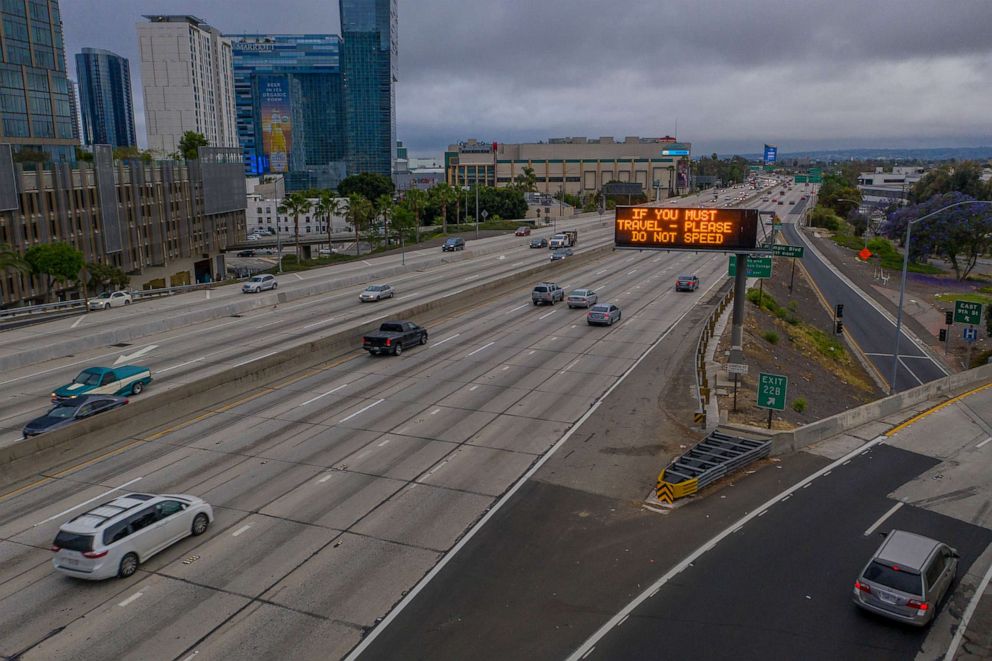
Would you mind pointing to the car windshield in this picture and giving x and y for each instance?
(74, 541)
(105, 294)
(257, 278)
(88, 378)
(375, 288)
(895, 578)
(62, 412)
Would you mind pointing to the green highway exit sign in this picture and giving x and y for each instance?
(757, 267)
(771, 391)
(966, 312)
(800, 179)
(788, 251)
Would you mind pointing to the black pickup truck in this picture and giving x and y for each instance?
(394, 336)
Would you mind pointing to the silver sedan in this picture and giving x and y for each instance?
(603, 314)
(376, 293)
(582, 298)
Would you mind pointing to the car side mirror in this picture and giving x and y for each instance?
(883, 534)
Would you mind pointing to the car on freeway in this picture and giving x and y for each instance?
(122, 380)
(114, 538)
(561, 253)
(603, 314)
(581, 298)
(453, 244)
(523, 230)
(65, 413)
(246, 253)
(260, 283)
(110, 299)
(906, 578)
(253, 237)
(547, 292)
(376, 293)
(687, 283)
(781, 202)
(394, 336)
(326, 251)
(538, 243)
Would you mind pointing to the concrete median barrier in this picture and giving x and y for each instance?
(41, 457)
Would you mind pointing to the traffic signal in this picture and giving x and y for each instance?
(840, 310)
(942, 335)
(839, 327)
(948, 317)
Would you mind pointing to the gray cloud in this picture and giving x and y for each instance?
(732, 75)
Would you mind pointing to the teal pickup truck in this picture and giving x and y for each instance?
(123, 380)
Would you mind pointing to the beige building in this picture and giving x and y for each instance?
(577, 165)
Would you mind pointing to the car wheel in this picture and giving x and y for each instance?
(423, 338)
(126, 302)
(129, 565)
(137, 387)
(275, 286)
(200, 523)
(398, 349)
(535, 303)
(610, 322)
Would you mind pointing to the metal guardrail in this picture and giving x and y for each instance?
(706, 462)
(78, 303)
(702, 383)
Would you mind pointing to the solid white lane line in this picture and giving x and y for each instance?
(966, 616)
(172, 367)
(882, 518)
(471, 278)
(547, 314)
(602, 272)
(251, 360)
(272, 323)
(695, 555)
(134, 597)
(77, 321)
(362, 410)
(324, 394)
(516, 308)
(240, 530)
(447, 339)
(484, 346)
(87, 502)
(984, 442)
(919, 381)
(320, 323)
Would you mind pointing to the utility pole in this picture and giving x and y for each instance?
(477, 202)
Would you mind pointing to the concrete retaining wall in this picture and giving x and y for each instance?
(88, 439)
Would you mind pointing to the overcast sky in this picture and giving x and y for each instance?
(728, 75)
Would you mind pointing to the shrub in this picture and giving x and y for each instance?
(799, 404)
(770, 336)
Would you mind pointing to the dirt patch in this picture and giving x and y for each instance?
(795, 338)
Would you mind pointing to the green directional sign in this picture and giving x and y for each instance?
(757, 267)
(800, 179)
(816, 171)
(771, 391)
(815, 179)
(966, 312)
(788, 251)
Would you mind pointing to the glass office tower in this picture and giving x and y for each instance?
(35, 107)
(369, 65)
(289, 106)
(105, 98)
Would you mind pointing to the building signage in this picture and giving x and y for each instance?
(277, 125)
(771, 154)
(252, 47)
(682, 228)
(674, 152)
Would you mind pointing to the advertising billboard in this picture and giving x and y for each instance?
(277, 126)
(686, 228)
(771, 154)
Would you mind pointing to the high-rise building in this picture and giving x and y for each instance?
(369, 65)
(289, 102)
(105, 98)
(35, 108)
(188, 82)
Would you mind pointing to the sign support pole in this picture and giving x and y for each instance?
(769, 418)
(736, 376)
(740, 293)
(792, 278)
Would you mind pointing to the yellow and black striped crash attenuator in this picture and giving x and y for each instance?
(669, 492)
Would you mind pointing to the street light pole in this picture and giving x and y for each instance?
(902, 285)
(477, 202)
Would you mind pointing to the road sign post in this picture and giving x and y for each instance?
(795, 252)
(772, 389)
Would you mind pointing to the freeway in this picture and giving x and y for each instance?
(337, 488)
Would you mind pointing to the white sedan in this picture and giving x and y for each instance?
(110, 299)
(376, 293)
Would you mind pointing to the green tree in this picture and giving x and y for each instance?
(403, 222)
(415, 200)
(103, 276)
(839, 195)
(11, 259)
(28, 155)
(963, 177)
(327, 206)
(360, 212)
(131, 153)
(371, 186)
(443, 196)
(296, 204)
(526, 181)
(56, 263)
(83, 155)
(189, 143)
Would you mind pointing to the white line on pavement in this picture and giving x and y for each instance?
(546, 314)
(325, 394)
(366, 263)
(984, 442)
(251, 360)
(363, 410)
(320, 323)
(435, 411)
(882, 519)
(132, 598)
(87, 502)
(240, 530)
(77, 321)
(298, 276)
(516, 308)
(325, 478)
(447, 339)
(484, 346)
(966, 616)
(473, 388)
(632, 272)
(602, 272)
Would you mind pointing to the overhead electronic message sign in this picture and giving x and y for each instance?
(771, 154)
(686, 228)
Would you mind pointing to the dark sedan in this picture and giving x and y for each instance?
(538, 243)
(66, 413)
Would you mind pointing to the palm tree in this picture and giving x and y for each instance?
(296, 204)
(415, 200)
(359, 212)
(326, 207)
(11, 259)
(444, 195)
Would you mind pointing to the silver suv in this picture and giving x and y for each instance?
(547, 292)
(114, 538)
(906, 578)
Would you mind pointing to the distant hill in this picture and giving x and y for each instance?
(935, 154)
